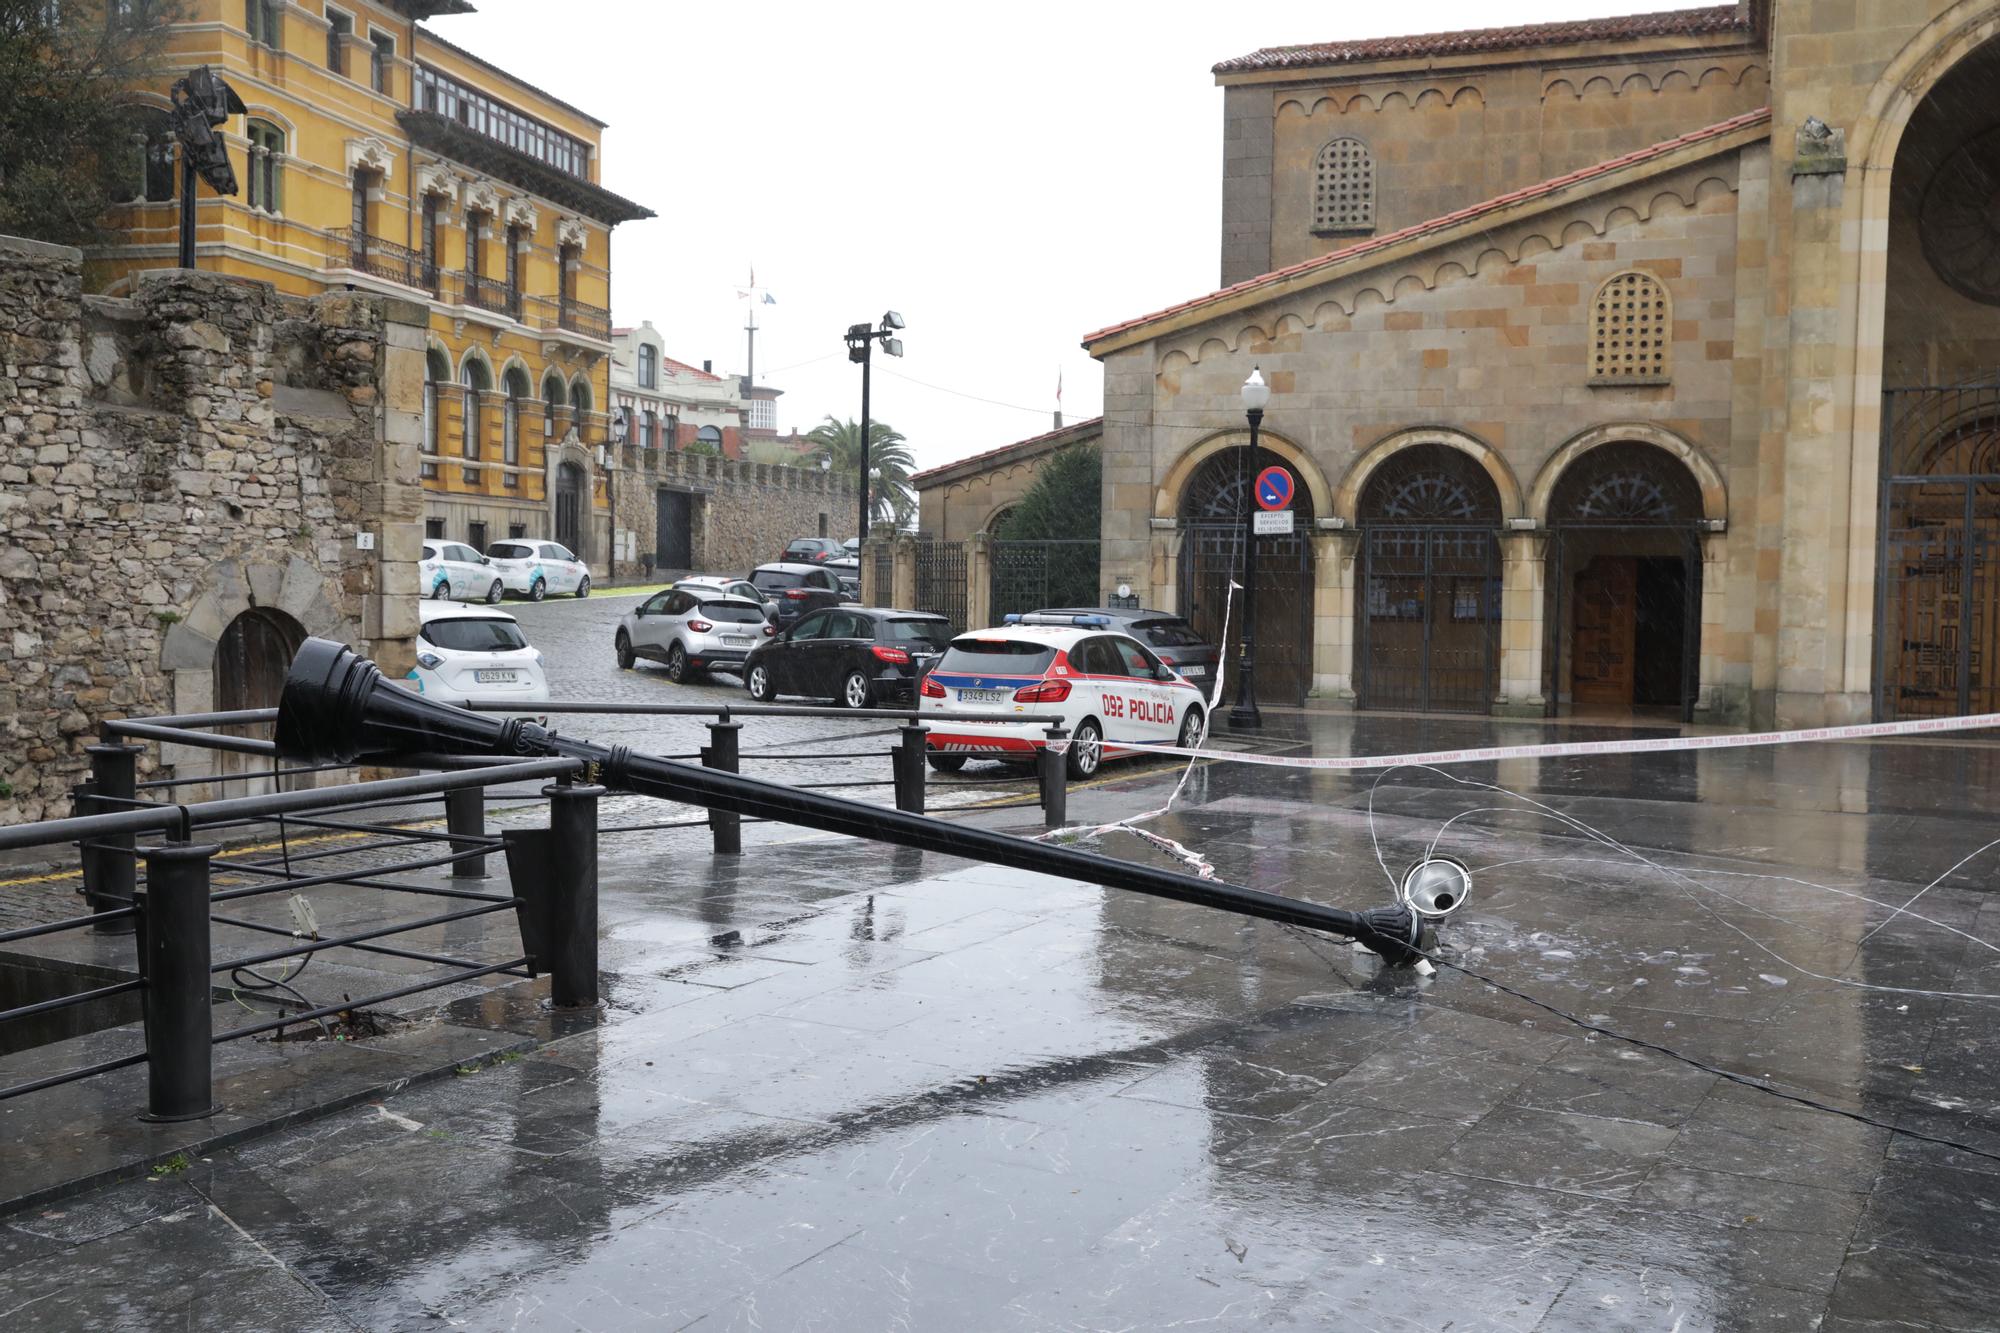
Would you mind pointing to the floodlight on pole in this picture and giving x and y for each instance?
(861, 340)
(203, 101)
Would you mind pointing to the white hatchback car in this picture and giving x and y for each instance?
(1114, 695)
(455, 570)
(535, 568)
(475, 652)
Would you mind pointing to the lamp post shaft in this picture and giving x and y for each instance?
(187, 208)
(867, 359)
(1245, 713)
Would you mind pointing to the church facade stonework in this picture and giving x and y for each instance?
(1640, 366)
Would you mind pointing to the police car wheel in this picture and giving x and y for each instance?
(947, 763)
(1086, 749)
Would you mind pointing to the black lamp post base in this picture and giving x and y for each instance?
(1240, 716)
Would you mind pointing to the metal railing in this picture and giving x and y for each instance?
(357, 250)
(489, 294)
(569, 315)
(156, 869)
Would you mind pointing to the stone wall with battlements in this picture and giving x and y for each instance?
(192, 479)
(740, 514)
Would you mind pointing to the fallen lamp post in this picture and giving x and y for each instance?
(337, 706)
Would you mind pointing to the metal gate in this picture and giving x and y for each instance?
(673, 530)
(1030, 575)
(1212, 556)
(1430, 619)
(941, 575)
(1937, 608)
(1569, 550)
(569, 507)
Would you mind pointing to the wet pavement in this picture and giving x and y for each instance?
(845, 1087)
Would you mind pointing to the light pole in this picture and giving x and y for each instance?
(202, 102)
(1256, 394)
(861, 341)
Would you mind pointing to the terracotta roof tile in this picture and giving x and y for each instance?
(1448, 220)
(1075, 428)
(683, 368)
(1712, 21)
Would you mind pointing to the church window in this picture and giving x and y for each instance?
(1631, 323)
(1344, 188)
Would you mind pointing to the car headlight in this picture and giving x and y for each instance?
(429, 661)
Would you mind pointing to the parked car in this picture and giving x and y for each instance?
(692, 631)
(810, 550)
(535, 568)
(1114, 694)
(848, 570)
(798, 588)
(859, 656)
(1172, 639)
(475, 652)
(852, 547)
(455, 570)
(721, 585)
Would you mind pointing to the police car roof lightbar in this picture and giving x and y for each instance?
(1036, 618)
(337, 705)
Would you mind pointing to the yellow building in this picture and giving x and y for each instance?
(377, 156)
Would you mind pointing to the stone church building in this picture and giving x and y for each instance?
(1644, 365)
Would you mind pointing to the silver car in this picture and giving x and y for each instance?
(693, 631)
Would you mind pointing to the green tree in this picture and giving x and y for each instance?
(1065, 503)
(890, 496)
(68, 151)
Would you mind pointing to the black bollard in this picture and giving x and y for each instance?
(465, 820)
(572, 954)
(111, 868)
(174, 961)
(907, 762)
(722, 753)
(1052, 767)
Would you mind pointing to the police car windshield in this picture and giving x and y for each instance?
(997, 657)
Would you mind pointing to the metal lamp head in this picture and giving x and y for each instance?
(892, 320)
(1435, 887)
(1256, 393)
(337, 706)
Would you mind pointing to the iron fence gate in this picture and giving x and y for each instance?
(1212, 556)
(941, 574)
(1429, 619)
(1030, 575)
(1937, 605)
(884, 556)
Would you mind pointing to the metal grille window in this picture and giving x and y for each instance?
(1631, 323)
(1344, 188)
(440, 93)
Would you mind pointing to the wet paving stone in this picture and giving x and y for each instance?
(833, 1087)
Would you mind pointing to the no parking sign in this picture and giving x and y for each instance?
(1275, 488)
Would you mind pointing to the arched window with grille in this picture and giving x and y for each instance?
(478, 379)
(1344, 189)
(516, 383)
(152, 176)
(437, 371)
(555, 394)
(1631, 326)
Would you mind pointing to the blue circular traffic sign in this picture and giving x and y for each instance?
(1274, 488)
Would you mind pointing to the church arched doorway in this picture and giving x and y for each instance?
(1624, 577)
(1427, 622)
(1211, 512)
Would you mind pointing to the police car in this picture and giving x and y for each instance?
(1114, 695)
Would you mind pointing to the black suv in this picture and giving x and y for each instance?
(798, 588)
(855, 655)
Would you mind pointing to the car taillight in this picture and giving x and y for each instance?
(769, 630)
(896, 655)
(930, 689)
(700, 626)
(796, 594)
(1045, 692)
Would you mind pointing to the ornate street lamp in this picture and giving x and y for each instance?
(1256, 394)
(861, 341)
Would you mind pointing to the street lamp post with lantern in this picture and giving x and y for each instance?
(1256, 394)
(861, 340)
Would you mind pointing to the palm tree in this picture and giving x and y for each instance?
(890, 498)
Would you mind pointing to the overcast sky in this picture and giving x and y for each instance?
(1008, 177)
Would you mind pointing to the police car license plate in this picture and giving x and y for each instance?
(494, 677)
(982, 696)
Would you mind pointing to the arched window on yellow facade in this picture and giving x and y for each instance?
(516, 384)
(1631, 325)
(267, 150)
(1344, 188)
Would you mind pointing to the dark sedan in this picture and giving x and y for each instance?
(1170, 637)
(859, 656)
(796, 589)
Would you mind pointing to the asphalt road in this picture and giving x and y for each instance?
(575, 639)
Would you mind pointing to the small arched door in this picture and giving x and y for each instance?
(1428, 618)
(1212, 509)
(251, 660)
(569, 508)
(1625, 578)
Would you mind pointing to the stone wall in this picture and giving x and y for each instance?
(201, 454)
(741, 514)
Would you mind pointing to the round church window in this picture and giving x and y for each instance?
(1960, 219)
